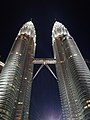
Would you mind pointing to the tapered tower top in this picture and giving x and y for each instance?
(59, 30)
(29, 29)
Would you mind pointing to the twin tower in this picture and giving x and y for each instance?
(73, 75)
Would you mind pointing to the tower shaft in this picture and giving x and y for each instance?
(16, 78)
(73, 76)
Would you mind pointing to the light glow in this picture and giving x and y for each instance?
(59, 30)
(29, 29)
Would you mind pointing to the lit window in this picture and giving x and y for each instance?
(76, 100)
(27, 112)
(85, 107)
(10, 84)
(62, 61)
(70, 56)
(16, 53)
(17, 89)
(88, 101)
(20, 103)
(88, 105)
(75, 55)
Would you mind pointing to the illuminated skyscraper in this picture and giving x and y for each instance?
(73, 75)
(16, 76)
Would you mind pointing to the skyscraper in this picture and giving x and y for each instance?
(73, 75)
(16, 76)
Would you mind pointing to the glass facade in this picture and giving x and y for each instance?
(72, 72)
(23, 104)
(73, 75)
(70, 105)
(16, 78)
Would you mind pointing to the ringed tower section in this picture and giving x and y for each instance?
(73, 75)
(16, 76)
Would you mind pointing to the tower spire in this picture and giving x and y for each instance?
(28, 29)
(59, 30)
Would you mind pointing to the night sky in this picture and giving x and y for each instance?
(45, 104)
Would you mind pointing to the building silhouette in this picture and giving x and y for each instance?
(73, 75)
(16, 76)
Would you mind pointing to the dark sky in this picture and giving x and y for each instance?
(73, 14)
